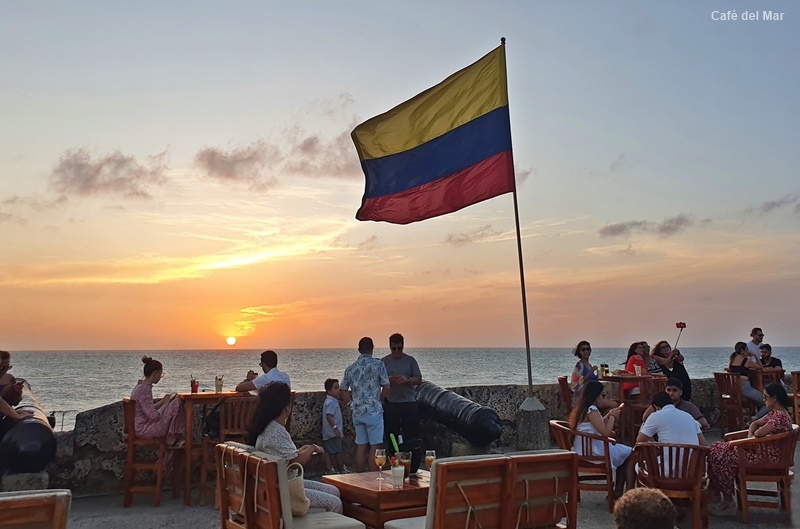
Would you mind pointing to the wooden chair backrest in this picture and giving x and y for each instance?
(235, 415)
(672, 466)
(42, 508)
(231, 486)
(776, 376)
(471, 493)
(729, 384)
(772, 454)
(545, 490)
(655, 385)
(261, 493)
(129, 415)
(796, 395)
(562, 434)
(566, 394)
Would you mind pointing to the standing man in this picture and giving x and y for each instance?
(401, 416)
(757, 336)
(364, 384)
(269, 363)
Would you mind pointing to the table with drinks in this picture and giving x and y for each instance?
(189, 400)
(619, 381)
(377, 497)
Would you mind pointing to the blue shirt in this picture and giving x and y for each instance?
(364, 379)
(331, 407)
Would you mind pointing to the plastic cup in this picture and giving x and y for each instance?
(638, 370)
(405, 462)
(195, 386)
(398, 475)
(218, 385)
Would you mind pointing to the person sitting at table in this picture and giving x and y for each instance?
(723, 459)
(671, 361)
(638, 355)
(742, 363)
(10, 395)
(268, 434)
(586, 418)
(160, 419)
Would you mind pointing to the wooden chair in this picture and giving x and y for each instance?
(566, 395)
(39, 508)
(469, 492)
(545, 490)
(235, 415)
(757, 463)
(768, 377)
(261, 481)
(231, 486)
(679, 472)
(134, 464)
(593, 466)
(731, 402)
(795, 396)
(635, 409)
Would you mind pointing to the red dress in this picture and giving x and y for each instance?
(633, 361)
(723, 461)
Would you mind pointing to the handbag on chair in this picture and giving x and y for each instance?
(297, 492)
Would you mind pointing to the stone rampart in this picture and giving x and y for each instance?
(91, 458)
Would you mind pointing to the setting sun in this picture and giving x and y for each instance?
(231, 340)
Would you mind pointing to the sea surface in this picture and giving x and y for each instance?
(71, 381)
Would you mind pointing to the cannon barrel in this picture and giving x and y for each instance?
(478, 424)
(30, 444)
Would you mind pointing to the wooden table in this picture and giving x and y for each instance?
(189, 400)
(375, 502)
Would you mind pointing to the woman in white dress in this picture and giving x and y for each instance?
(268, 434)
(586, 418)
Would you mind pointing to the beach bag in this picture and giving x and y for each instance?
(297, 492)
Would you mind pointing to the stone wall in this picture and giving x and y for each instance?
(91, 458)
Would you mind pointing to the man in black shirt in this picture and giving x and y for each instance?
(767, 360)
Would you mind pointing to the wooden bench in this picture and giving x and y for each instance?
(35, 508)
(256, 494)
(516, 491)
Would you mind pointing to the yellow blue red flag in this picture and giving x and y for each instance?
(441, 151)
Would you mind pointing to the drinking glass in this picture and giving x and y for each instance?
(430, 457)
(380, 460)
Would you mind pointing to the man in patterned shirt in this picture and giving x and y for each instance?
(364, 385)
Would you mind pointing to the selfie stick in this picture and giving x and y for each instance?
(678, 338)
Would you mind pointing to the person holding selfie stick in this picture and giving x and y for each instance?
(163, 418)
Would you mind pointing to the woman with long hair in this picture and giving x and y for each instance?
(583, 371)
(742, 363)
(10, 394)
(162, 418)
(638, 355)
(268, 434)
(671, 365)
(586, 418)
(723, 460)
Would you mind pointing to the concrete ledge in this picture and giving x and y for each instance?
(25, 481)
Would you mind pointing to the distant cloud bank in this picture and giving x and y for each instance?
(665, 228)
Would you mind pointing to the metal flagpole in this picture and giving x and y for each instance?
(521, 267)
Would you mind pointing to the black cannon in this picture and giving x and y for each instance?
(477, 424)
(30, 444)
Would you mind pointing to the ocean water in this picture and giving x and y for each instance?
(71, 381)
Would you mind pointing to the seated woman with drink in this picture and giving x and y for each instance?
(159, 419)
(636, 364)
(586, 418)
(268, 434)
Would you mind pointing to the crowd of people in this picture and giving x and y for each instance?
(380, 393)
(672, 417)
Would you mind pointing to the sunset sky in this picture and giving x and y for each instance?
(174, 173)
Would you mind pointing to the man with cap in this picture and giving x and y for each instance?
(364, 385)
(674, 389)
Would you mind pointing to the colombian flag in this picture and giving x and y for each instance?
(443, 150)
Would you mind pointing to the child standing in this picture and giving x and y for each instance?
(332, 427)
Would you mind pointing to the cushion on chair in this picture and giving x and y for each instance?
(326, 520)
(406, 523)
